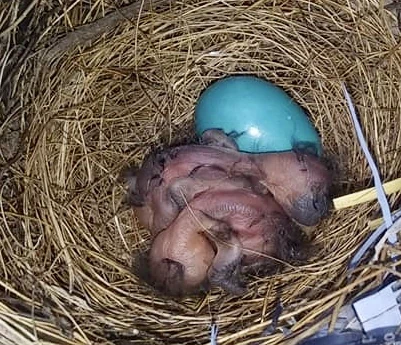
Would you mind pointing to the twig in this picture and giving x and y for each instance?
(85, 34)
(19, 20)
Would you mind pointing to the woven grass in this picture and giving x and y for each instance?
(67, 244)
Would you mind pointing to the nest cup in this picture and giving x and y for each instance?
(67, 253)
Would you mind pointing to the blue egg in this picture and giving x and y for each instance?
(259, 115)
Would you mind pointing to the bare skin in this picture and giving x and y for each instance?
(216, 137)
(182, 260)
(299, 181)
(155, 193)
(258, 221)
(218, 234)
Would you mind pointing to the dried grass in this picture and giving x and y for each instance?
(66, 243)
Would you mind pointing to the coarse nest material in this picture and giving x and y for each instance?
(67, 244)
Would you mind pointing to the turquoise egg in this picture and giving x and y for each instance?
(260, 116)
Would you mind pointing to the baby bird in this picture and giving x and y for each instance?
(218, 233)
(184, 261)
(298, 181)
(155, 190)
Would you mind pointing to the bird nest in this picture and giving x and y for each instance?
(67, 242)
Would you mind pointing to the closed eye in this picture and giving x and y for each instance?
(154, 181)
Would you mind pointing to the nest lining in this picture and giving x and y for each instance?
(99, 108)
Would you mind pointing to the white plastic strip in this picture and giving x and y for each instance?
(380, 309)
(390, 232)
(213, 334)
(376, 176)
(371, 241)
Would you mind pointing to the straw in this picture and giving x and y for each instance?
(67, 244)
